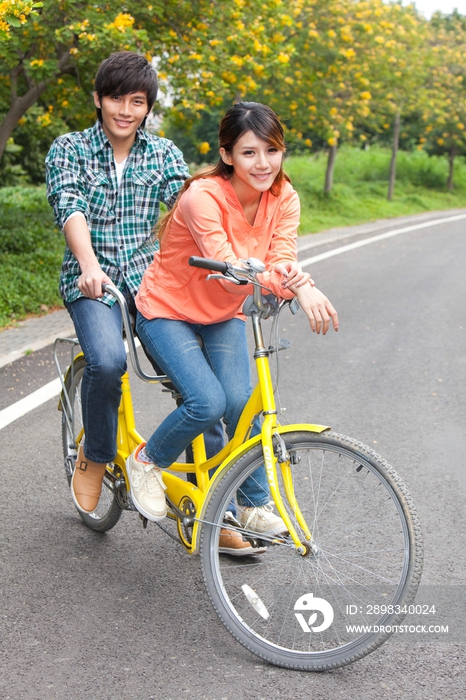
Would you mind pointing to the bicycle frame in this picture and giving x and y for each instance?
(261, 402)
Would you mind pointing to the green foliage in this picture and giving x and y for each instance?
(31, 250)
(24, 158)
(193, 132)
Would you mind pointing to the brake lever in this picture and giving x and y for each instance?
(230, 276)
(223, 277)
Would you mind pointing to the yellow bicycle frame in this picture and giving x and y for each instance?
(261, 402)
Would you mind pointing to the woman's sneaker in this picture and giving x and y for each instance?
(262, 520)
(147, 487)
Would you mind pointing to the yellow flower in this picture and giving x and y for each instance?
(308, 142)
(122, 22)
(203, 147)
(332, 141)
(365, 95)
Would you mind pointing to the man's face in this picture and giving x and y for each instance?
(122, 115)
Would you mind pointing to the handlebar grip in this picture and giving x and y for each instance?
(207, 264)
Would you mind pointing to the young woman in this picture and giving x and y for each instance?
(243, 207)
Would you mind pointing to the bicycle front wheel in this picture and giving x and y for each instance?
(108, 510)
(340, 600)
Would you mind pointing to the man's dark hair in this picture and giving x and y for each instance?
(123, 73)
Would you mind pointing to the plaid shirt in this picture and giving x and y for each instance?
(81, 176)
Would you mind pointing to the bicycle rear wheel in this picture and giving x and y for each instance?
(108, 510)
(340, 601)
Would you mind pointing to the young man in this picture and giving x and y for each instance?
(105, 185)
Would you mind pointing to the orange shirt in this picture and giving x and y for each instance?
(209, 222)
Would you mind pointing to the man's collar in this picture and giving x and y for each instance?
(99, 139)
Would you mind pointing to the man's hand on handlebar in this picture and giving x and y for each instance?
(91, 280)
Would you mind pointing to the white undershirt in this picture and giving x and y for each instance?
(119, 167)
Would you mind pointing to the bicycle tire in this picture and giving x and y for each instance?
(367, 552)
(108, 511)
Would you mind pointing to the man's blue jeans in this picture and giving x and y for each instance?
(214, 382)
(99, 331)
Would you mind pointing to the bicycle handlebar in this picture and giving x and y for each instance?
(258, 303)
(207, 264)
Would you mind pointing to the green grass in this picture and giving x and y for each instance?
(360, 187)
(31, 248)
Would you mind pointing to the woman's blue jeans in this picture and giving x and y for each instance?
(214, 382)
(99, 331)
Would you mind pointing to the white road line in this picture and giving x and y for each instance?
(52, 389)
(374, 239)
(37, 398)
(34, 400)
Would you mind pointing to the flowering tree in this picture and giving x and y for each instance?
(55, 54)
(444, 112)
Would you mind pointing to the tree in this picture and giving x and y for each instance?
(206, 52)
(54, 55)
(445, 112)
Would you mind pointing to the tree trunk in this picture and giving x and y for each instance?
(396, 140)
(451, 163)
(20, 105)
(18, 109)
(330, 167)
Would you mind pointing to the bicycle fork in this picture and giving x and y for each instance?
(268, 433)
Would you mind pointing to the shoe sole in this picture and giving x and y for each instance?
(242, 552)
(150, 516)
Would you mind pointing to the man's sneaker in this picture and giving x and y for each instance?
(263, 520)
(147, 487)
(231, 542)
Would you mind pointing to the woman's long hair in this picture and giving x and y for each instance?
(240, 118)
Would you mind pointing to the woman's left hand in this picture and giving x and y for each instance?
(317, 308)
(294, 275)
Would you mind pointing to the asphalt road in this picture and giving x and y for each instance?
(124, 615)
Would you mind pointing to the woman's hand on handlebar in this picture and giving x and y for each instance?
(294, 275)
(317, 308)
(91, 280)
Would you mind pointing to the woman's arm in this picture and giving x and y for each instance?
(317, 308)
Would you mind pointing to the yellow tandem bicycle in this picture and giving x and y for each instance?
(332, 589)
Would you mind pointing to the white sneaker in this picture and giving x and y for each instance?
(147, 487)
(263, 520)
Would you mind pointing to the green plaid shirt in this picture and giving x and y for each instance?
(81, 176)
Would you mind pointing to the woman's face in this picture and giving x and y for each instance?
(255, 162)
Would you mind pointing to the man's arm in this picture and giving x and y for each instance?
(78, 240)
